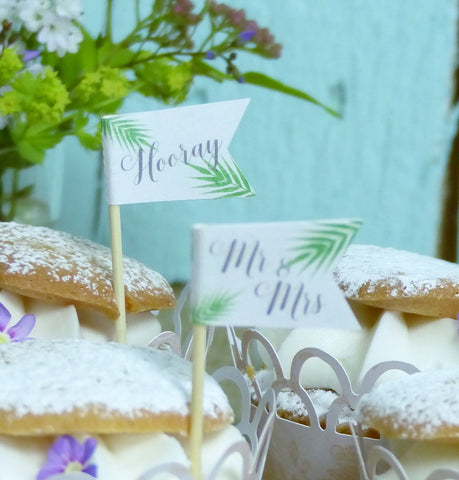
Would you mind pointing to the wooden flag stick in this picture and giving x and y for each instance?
(196, 429)
(117, 262)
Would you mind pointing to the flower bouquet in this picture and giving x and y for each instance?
(56, 80)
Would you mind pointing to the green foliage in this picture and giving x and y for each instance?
(261, 80)
(319, 248)
(211, 309)
(126, 132)
(10, 64)
(223, 180)
(58, 94)
(164, 79)
(40, 98)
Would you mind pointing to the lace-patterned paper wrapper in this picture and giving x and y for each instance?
(315, 451)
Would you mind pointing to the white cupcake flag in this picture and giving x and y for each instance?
(172, 154)
(275, 274)
(264, 274)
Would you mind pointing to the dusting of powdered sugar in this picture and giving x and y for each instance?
(290, 401)
(404, 273)
(40, 377)
(429, 400)
(69, 258)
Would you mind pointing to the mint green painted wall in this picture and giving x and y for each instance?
(391, 62)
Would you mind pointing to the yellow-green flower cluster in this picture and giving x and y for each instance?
(165, 80)
(179, 80)
(10, 64)
(106, 83)
(40, 98)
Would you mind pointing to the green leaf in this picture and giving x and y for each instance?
(88, 140)
(318, 248)
(201, 67)
(32, 142)
(127, 133)
(211, 309)
(24, 192)
(224, 180)
(262, 80)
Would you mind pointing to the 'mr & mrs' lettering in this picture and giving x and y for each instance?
(279, 294)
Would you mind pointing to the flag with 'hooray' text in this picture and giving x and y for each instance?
(173, 154)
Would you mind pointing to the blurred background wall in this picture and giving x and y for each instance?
(387, 66)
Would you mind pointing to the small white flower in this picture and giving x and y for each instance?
(59, 34)
(32, 13)
(8, 9)
(70, 9)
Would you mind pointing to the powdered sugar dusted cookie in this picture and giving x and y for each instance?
(62, 386)
(421, 406)
(47, 264)
(398, 280)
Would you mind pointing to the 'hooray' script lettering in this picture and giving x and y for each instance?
(150, 165)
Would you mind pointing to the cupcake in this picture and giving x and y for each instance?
(406, 301)
(111, 410)
(66, 282)
(310, 439)
(418, 415)
(406, 305)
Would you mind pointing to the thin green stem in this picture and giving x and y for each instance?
(154, 56)
(108, 20)
(14, 196)
(137, 10)
(2, 199)
(6, 150)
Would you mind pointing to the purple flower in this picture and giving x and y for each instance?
(67, 455)
(28, 55)
(210, 55)
(246, 35)
(18, 332)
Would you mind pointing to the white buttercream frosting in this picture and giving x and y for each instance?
(425, 342)
(347, 346)
(54, 321)
(125, 456)
(420, 459)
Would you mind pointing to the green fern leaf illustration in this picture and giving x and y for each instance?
(318, 249)
(129, 134)
(211, 309)
(224, 180)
